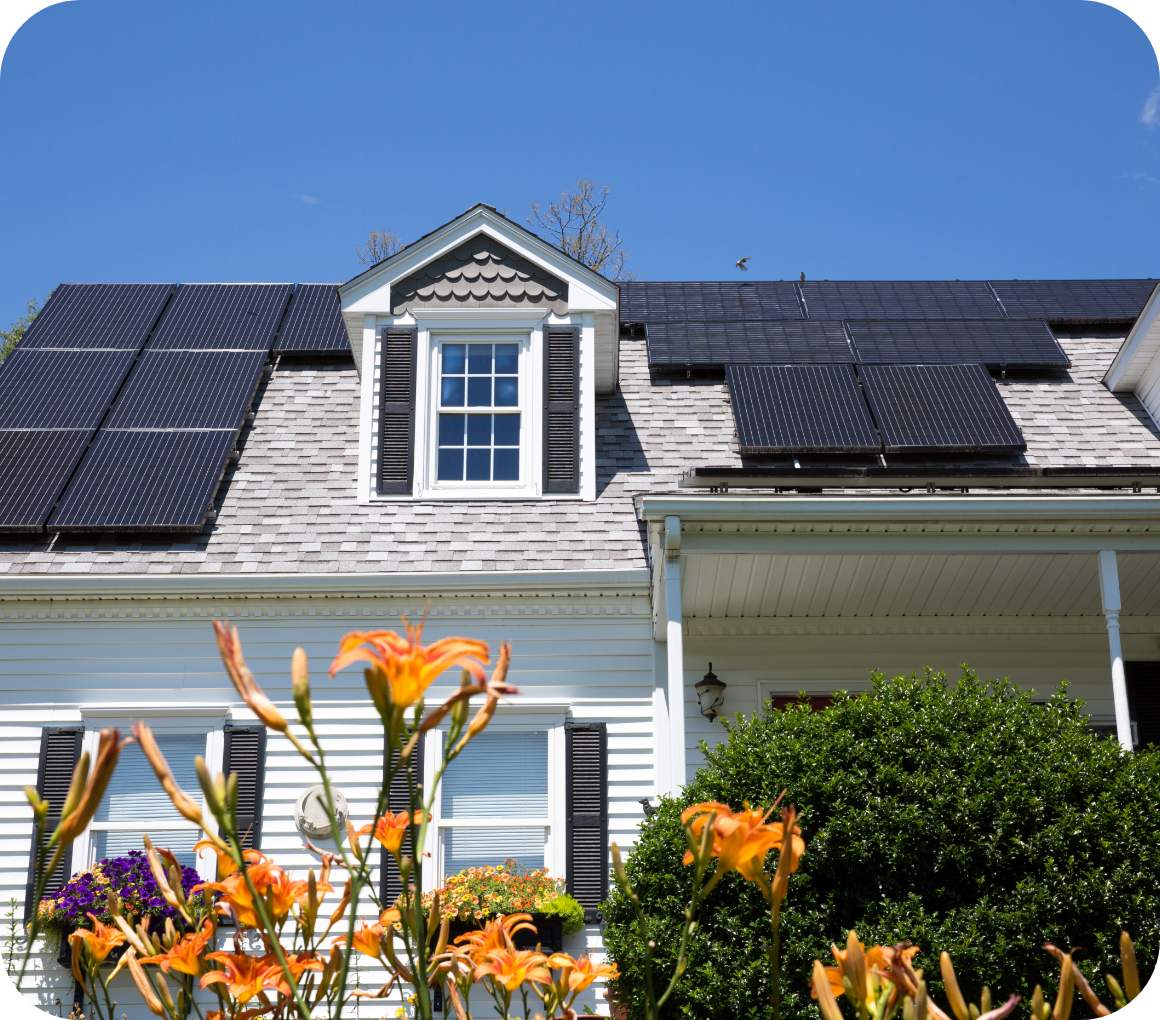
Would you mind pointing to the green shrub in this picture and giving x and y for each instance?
(960, 817)
(570, 912)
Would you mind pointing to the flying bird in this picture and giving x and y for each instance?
(741, 264)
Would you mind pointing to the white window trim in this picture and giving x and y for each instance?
(163, 720)
(555, 844)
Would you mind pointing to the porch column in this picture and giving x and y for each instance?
(675, 639)
(1110, 597)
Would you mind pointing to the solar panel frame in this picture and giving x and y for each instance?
(705, 301)
(1025, 343)
(313, 323)
(97, 315)
(60, 389)
(188, 390)
(898, 299)
(800, 409)
(715, 344)
(1080, 301)
(137, 480)
(943, 408)
(222, 316)
(35, 464)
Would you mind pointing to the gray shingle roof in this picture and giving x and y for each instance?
(289, 506)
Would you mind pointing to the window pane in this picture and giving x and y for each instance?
(133, 794)
(451, 464)
(118, 844)
(478, 391)
(477, 848)
(506, 359)
(498, 775)
(451, 429)
(479, 359)
(479, 465)
(452, 395)
(453, 358)
(479, 430)
(507, 430)
(507, 391)
(507, 466)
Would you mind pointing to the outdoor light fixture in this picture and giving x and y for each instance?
(711, 694)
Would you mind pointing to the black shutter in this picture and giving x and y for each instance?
(60, 750)
(397, 411)
(398, 799)
(561, 409)
(245, 754)
(1144, 700)
(586, 749)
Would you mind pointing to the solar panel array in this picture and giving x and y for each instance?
(1023, 343)
(708, 302)
(760, 342)
(1081, 301)
(899, 299)
(314, 322)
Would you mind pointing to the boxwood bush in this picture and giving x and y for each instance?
(960, 816)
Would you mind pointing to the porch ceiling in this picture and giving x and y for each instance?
(723, 584)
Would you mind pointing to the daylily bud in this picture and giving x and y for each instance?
(1066, 996)
(184, 804)
(163, 991)
(826, 1001)
(213, 798)
(300, 672)
(143, 986)
(1039, 1009)
(232, 794)
(618, 868)
(920, 1002)
(1131, 972)
(77, 786)
(39, 806)
(951, 985)
(1118, 995)
(162, 881)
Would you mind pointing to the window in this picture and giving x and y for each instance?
(479, 411)
(134, 802)
(494, 802)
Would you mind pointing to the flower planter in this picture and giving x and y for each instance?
(65, 957)
(549, 932)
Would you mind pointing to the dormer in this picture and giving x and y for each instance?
(1136, 366)
(481, 349)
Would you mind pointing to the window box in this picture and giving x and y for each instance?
(549, 932)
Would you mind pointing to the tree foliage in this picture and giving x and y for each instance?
(964, 817)
(573, 224)
(11, 336)
(381, 245)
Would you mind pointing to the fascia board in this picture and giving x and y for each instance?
(587, 290)
(619, 583)
(1139, 349)
(876, 510)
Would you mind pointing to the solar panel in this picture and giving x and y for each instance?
(950, 408)
(223, 316)
(800, 408)
(146, 480)
(60, 389)
(898, 299)
(784, 341)
(1083, 300)
(704, 302)
(98, 315)
(35, 465)
(314, 321)
(1017, 342)
(188, 390)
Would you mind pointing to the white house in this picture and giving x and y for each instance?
(794, 481)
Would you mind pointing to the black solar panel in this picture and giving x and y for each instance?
(704, 302)
(35, 464)
(188, 390)
(92, 315)
(1023, 342)
(898, 299)
(951, 408)
(147, 480)
(1081, 300)
(314, 321)
(747, 342)
(237, 316)
(60, 389)
(800, 408)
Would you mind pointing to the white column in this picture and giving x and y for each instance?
(675, 639)
(662, 745)
(1110, 597)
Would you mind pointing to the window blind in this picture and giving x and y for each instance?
(480, 847)
(135, 795)
(498, 775)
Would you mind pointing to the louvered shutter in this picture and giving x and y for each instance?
(397, 411)
(586, 749)
(245, 754)
(561, 409)
(60, 750)
(1144, 700)
(398, 799)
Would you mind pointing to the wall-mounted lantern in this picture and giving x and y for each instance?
(711, 694)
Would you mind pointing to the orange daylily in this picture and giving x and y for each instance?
(578, 974)
(244, 976)
(99, 943)
(279, 893)
(184, 957)
(367, 940)
(496, 935)
(511, 968)
(226, 865)
(391, 830)
(298, 963)
(741, 839)
(401, 668)
(879, 960)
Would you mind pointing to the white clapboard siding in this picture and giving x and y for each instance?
(593, 654)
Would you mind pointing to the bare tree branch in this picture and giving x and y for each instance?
(381, 244)
(573, 224)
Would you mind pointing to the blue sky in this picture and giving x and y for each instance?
(262, 141)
